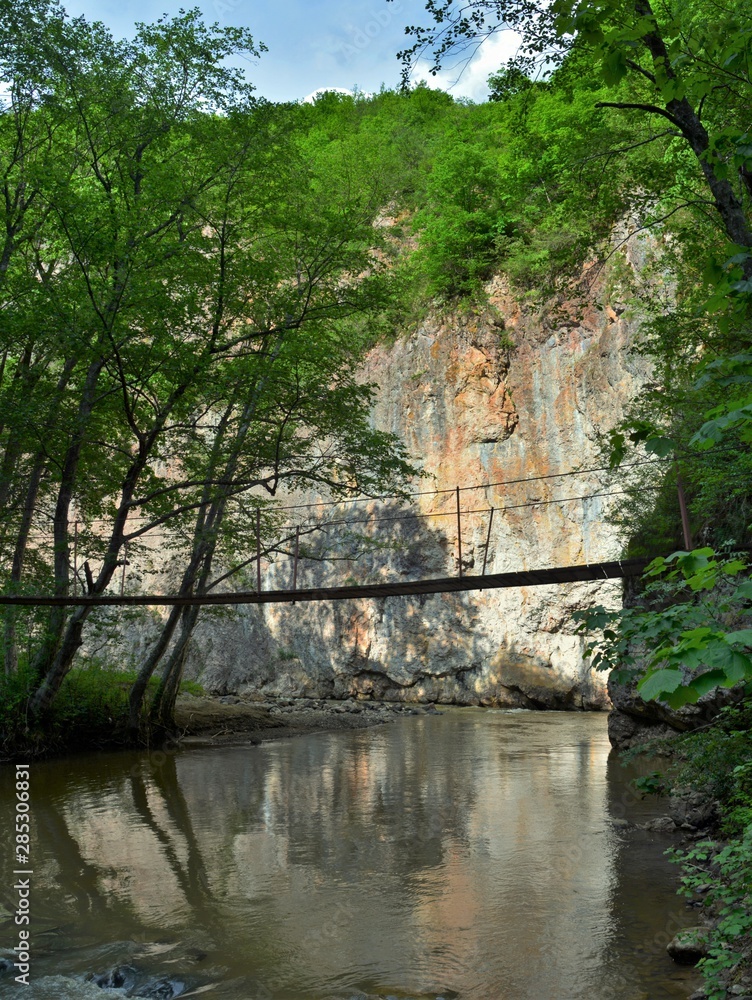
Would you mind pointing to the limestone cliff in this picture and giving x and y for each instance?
(506, 395)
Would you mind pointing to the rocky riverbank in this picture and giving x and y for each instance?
(703, 746)
(208, 721)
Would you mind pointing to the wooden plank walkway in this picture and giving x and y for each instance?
(446, 585)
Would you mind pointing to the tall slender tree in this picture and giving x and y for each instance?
(173, 256)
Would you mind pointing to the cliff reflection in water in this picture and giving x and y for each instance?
(471, 852)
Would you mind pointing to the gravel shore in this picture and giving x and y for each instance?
(212, 720)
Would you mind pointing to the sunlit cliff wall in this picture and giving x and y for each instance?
(508, 394)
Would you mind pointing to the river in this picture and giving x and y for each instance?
(477, 854)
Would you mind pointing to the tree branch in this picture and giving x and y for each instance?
(652, 109)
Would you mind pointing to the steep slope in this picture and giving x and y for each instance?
(499, 397)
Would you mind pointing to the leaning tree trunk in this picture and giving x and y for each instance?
(138, 689)
(48, 659)
(162, 715)
(204, 521)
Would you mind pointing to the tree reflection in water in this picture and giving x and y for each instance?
(472, 851)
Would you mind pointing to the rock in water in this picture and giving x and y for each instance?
(689, 946)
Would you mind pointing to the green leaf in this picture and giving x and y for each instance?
(733, 567)
(657, 566)
(617, 449)
(660, 446)
(743, 636)
(707, 682)
(737, 667)
(660, 682)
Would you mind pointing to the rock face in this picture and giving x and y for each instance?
(633, 721)
(494, 398)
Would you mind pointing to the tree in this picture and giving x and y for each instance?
(686, 64)
(177, 245)
(303, 418)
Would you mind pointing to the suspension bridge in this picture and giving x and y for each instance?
(442, 585)
(461, 582)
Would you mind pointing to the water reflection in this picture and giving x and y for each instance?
(471, 852)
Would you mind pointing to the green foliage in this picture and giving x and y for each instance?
(682, 642)
(507, 82)
(15, 690)
(654, 783)
(188, 283)
(192, 687)
(285, 655)
(730, 377)
(91, 710)
(461, 222)
(718, 759)
(726, 892)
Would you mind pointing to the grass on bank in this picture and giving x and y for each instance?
(90, 712)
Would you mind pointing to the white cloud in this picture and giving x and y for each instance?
(311, 98)
(468, 76)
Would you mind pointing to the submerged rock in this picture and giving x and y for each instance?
(162, 989)
(118, 978)
(661, 824)
(689, 946)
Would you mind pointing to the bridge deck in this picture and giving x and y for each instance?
(445, 585)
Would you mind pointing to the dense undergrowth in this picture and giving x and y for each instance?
(90, 713)
(716, 870)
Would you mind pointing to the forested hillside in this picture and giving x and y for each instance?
(190, 276)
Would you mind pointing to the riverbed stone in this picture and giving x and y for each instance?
(118, 978)
(162, 989)
(661, 824)
(692, 809)
(689, 946)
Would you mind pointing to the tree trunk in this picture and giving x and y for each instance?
(65, 651)
(138, 690)
(729, 207)
(47, 660)
(162, 713)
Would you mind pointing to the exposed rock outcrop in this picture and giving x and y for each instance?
(633, 721)
(495, 398)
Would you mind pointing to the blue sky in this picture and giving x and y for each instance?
(313, 44)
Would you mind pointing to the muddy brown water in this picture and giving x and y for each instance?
(477, 854)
